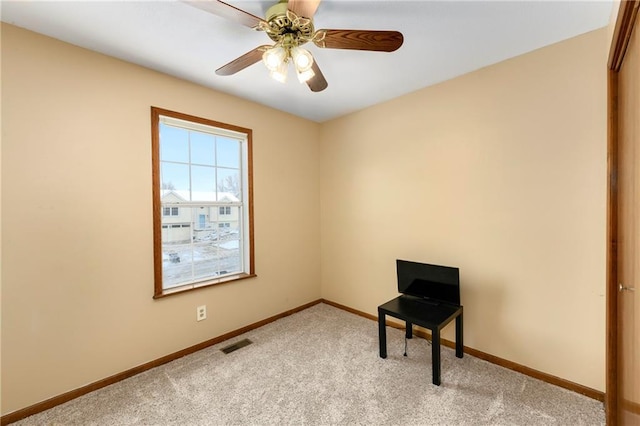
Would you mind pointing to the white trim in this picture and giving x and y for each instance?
(200, 204)
(204, 128)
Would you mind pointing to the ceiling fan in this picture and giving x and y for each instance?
(290, 25)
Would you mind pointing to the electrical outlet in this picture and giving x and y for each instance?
(201, 313)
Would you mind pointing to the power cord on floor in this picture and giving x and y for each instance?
(405, 344)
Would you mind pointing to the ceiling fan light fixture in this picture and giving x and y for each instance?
(302, 59)
(280, 73)
(273, 58)
(305, 76)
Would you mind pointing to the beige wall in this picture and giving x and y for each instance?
(77, 277)
(501, 173)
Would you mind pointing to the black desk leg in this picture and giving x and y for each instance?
(459, 338)
(382, 334)
(409, 332)
(435, 356)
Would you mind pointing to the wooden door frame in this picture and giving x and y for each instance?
(622, 34)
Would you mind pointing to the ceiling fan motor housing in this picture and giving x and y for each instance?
(286, 27)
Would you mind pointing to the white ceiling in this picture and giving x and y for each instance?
(442, 40)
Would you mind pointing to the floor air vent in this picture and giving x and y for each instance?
(236, 346)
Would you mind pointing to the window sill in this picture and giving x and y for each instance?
(203, 284)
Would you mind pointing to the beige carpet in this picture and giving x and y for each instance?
(321, 367)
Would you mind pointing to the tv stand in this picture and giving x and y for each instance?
(413, 310)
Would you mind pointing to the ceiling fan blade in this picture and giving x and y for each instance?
(317, 83)
(304, 8)
(243, 61)
(227, 11)
(379, 41)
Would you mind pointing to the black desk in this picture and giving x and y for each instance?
(414, 310)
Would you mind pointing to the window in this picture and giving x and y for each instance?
(200, 166)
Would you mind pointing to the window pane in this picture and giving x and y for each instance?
(203, 183)
(174, 144)
(175, 267)
(176, 232)
(205, 260)
(229, 255)
(176, 248)
(203, 149)
(175, 177)
(228, 183)
(228, 152)
(194, 250)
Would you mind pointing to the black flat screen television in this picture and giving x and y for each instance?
(432, 282)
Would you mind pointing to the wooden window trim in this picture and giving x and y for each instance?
(159, 292)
